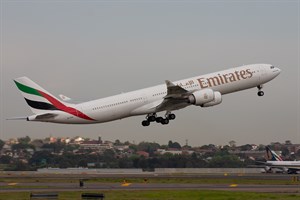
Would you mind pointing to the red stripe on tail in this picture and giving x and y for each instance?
(65, 108)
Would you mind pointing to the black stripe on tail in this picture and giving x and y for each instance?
(40, 105)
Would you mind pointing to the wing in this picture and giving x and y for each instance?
(293, 170)
(176, 98)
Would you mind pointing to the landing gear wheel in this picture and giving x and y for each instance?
(171, 116)
(159, 119)
(145, 123)
(260, 93)
(165, 121)
(151, 118)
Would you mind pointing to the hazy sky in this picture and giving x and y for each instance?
(92, 49)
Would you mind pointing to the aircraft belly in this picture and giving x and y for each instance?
(107, 115)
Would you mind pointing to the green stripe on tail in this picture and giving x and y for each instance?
(27, 89)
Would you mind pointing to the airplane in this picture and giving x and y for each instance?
(274, 161)
(204, 91)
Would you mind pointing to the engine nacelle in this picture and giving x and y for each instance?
(201, 97)
(217, 100)
(268, 169)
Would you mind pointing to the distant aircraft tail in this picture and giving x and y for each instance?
(38, 99)
(271, 155)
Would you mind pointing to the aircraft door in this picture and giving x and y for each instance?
(262, 72)
(145, 98)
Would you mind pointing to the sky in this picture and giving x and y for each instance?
(92, 49)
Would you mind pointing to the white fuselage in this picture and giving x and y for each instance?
(283, 163)
(145, 101)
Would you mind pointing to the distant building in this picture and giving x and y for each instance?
(6, 150)
(53, 140)
(254, 146)
(143, 153)
(174, 151)
(94, 145)
(12, 141)
(78, 140)
(121, 147)
(67, 140)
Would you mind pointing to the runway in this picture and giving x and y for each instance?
(50, 187)
(15, 182)
(244, 176)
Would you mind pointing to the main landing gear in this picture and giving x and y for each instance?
(260, 92)
(153, 118)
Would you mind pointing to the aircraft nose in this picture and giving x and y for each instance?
(277, 71)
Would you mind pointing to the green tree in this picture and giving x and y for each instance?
(285, 152)
(246, 147)
(125, 163)
(70, 148)
(2, 143)
(232, 143)
(133, 147)
(41, 158)
(20, 166)
(117, 142)
(174, 145)
(22, 147)
(82, 163)
(261, 147)
(24, 140)
(149, 147)
(5, 159)
(225, 161)
(109, 158)
(56, 147)
(288, 142)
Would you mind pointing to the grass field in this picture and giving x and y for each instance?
(164, 195)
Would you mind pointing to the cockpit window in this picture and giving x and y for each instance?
(272, 67)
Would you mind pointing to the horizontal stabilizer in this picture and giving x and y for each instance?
(17, 118)
(41, 117)
(64, 98)
(45, 116)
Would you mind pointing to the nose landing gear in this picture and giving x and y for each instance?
(260, 92)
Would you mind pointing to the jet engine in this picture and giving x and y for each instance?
(217, 100)
(268, 169)
(201, 97)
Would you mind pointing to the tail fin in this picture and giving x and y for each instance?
(271, 155)
(38, 99)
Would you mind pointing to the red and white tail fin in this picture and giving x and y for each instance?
(271, 155)
(38, 99)
(42, 103)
